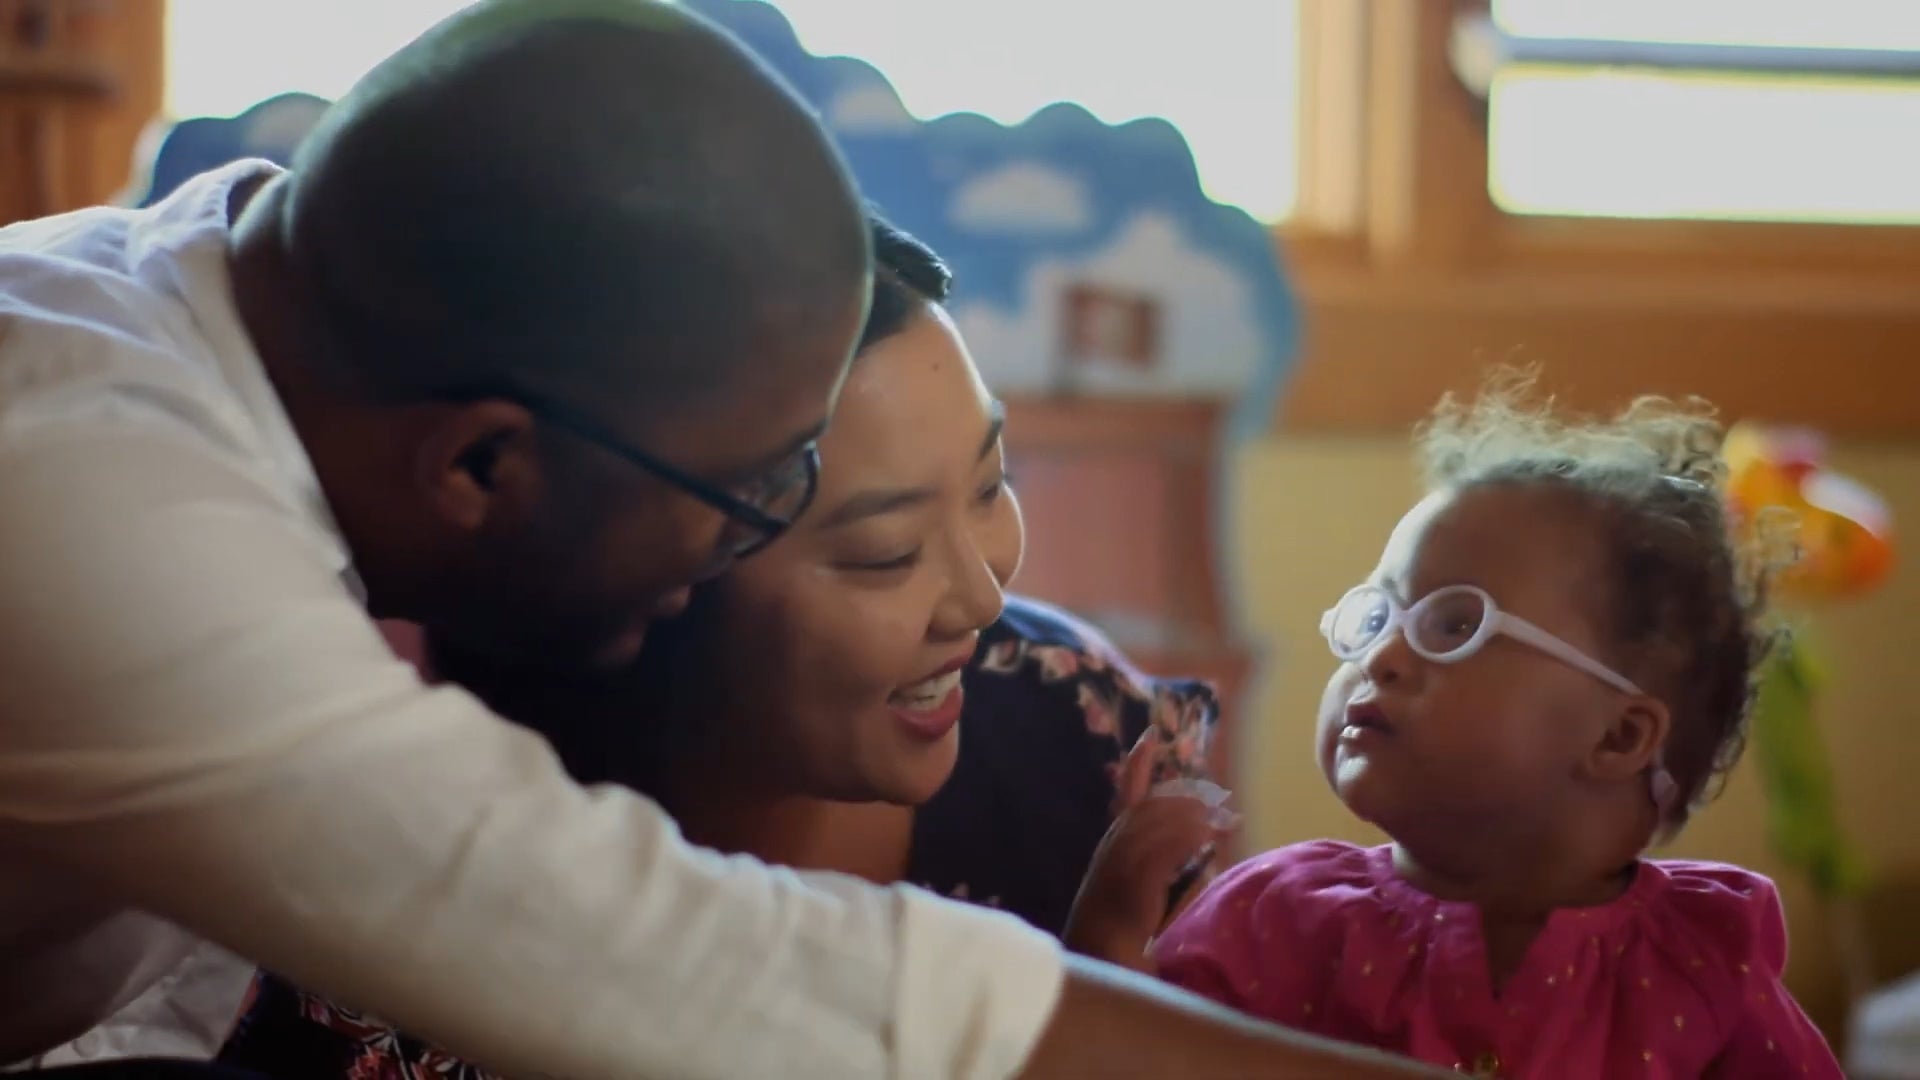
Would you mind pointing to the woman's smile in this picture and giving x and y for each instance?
(931, 707)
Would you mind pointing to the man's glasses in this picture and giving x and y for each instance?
(757, 513)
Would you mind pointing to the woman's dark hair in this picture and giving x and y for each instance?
(907, 276)
(1683, 596)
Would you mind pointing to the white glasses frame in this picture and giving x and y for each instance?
(1495, 623)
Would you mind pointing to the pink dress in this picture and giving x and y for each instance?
(1678, 978)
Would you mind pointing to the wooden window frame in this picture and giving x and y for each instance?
(1411, 280)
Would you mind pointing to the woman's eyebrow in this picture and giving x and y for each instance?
(879, 501)
(996, 425)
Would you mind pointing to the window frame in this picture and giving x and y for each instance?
(1412, 279)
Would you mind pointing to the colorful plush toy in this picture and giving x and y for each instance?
(1843, 535)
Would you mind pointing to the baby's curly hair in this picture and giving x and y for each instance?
(1684, 598)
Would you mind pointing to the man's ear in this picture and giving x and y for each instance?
(1632, 741)
(477, 461)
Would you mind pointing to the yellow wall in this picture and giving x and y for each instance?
(1311, 514)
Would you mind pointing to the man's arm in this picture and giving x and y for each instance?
(197, 716)
(194, 714)
(1114, 1023)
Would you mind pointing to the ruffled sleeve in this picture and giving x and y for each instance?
(1738, 913)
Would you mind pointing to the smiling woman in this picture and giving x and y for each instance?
(861, 696)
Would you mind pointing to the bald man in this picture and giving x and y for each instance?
(537, 333)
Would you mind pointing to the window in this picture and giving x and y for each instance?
(1223, 71)
(1762, 110)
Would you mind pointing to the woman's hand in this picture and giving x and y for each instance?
(1156, 842)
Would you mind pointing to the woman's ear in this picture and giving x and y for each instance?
(477, 461)
(1632, 740)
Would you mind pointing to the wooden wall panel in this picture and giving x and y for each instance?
(1839, 354)
(79, 82)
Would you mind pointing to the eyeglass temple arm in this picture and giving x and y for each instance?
(1516, 627)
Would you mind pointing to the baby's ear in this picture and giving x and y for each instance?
(1632, 739)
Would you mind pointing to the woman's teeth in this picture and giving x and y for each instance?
(928, 693)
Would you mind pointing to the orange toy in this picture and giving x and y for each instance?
(1845, 532)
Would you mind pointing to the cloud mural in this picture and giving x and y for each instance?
(1211, 334)
(1022, 198)
(868, 109)
(1056, 222)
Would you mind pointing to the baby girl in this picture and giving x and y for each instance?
(1549, 668)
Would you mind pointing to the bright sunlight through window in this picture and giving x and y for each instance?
(1223, 71)
(1615, 143)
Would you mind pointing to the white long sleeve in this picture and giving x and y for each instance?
(198, 719)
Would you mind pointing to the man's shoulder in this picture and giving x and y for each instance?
(70, 281)
(94, 328)
(113, 279)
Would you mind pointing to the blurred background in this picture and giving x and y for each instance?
(1713, 197)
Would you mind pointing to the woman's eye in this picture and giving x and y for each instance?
(898, 562)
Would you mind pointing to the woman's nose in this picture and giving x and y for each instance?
(974, 599)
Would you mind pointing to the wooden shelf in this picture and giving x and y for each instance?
(37, 76)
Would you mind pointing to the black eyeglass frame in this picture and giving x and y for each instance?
(765, 527)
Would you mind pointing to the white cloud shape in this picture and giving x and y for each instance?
(868, 107)
(1023, 197)
(1212, 342)
(282, 126)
